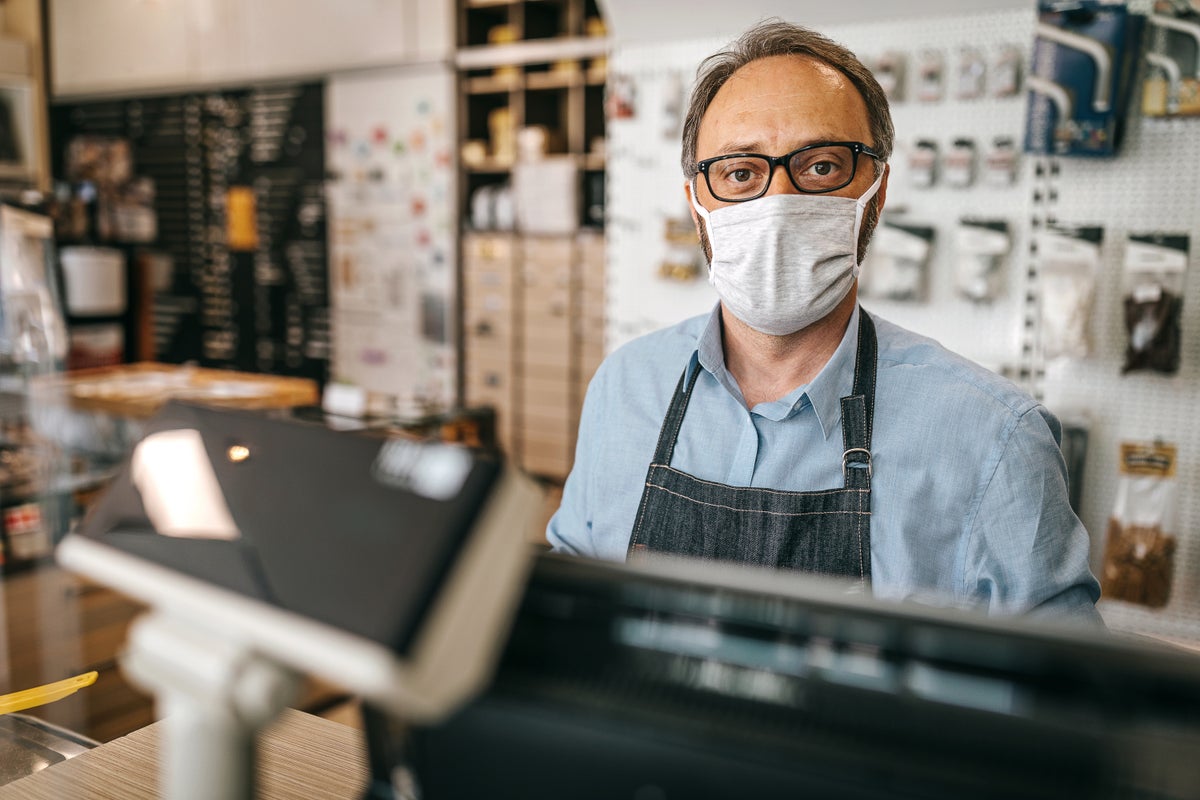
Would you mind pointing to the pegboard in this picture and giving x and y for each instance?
(1152, 186)
(646, 189)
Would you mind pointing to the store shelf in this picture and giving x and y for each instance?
(553, 79)
(521, 357)
(590, 162)
(492, 84)
(538, 51)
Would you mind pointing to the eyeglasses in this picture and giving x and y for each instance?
(815, 169)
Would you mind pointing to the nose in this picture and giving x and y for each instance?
(779, 182)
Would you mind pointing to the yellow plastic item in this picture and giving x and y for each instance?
(40, 695)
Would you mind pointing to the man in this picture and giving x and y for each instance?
(789, 428)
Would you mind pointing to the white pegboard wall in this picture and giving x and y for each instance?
(1153, 185)
(987, 332)
(645, 188)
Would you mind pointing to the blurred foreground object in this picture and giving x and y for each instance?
(269, 546)
(698, 680)
(47, 693)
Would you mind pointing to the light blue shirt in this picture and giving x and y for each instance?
(969, 503)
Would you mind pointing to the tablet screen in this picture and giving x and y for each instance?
(347, 528)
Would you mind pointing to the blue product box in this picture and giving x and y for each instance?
(1081, 77)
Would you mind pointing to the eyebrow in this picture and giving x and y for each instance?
(757, 147)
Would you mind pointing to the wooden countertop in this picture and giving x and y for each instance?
(138, 390)
(301, 757)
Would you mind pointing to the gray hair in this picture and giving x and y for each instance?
(774, 37)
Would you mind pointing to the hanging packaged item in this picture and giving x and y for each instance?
(1139, 555)
(1000, 163)
(979, 250)
(971, 77)
(674, 103)
(1154, 274)
(922, 164)
(1068, 260)
(897, 264)
(683, 260)
(1081, 77)
(620, 97)
(888, 69)
(1172, 83)
(958, 165)
(931, 76)
(1005, 78)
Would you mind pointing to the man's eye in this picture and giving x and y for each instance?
(823, 169)
(739, 172)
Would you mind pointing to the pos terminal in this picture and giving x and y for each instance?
(268, 547)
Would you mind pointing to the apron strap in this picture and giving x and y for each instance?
(669, 433)
(665, 448)
(858, 410)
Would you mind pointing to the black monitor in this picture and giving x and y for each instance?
(693, 680)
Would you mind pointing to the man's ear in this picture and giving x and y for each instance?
(705, 245)
(691, 204)
(882, 193)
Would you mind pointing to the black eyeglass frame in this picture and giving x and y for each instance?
(781, 161)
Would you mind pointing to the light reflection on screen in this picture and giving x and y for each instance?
(179, 489)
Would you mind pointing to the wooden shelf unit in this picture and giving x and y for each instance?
(532, 322)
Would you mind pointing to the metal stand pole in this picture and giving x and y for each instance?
(215, 695)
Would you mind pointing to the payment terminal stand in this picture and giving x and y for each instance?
(269, 548)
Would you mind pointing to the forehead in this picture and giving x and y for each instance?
(780, 103)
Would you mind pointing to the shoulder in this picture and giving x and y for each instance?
(945, 377)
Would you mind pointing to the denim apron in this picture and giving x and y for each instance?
(828, 531)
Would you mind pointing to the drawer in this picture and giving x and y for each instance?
(545, 305)
(486, 330)
(494, 303)
(494, 248)
(548, 251)
(488, 277)
(493, 380)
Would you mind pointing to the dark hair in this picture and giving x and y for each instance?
(774, 37)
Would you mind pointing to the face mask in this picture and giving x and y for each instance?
(782, 262)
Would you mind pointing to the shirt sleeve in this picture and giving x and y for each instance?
(1027, 552)
(570, 529)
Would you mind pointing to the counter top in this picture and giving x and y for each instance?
(301, 757)
(139, 390)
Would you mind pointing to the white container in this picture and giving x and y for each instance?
(94, 280)
(546, 195)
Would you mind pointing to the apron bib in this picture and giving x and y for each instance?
(827, 532)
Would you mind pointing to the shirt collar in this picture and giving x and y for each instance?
(824, 392)
(710, 354)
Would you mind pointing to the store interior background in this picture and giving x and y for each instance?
(382, 256)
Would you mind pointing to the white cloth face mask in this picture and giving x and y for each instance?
(784, 261)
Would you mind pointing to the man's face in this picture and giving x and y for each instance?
(776, 105)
